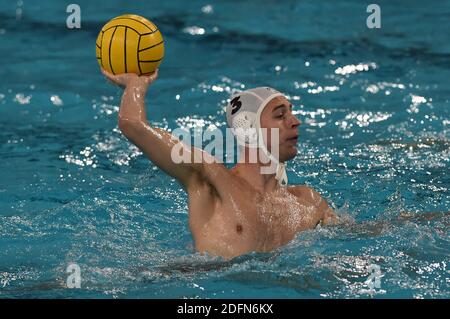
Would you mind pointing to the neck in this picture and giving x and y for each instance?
(256, 174)
(252, 174)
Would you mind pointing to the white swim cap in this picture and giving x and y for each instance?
(244, 118)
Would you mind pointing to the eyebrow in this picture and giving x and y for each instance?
(281, 105)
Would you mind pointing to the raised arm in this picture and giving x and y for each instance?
(155, 143)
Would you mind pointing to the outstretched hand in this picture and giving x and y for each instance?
(123, 80)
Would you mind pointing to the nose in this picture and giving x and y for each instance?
(294, 121)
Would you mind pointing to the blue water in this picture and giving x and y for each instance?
(375, 142)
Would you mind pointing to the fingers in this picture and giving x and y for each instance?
(155, 74)
(152, 77)
(123, 79)
(108, 76)
(105, 73)
(117, 79)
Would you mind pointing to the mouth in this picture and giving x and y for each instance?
(293, 140)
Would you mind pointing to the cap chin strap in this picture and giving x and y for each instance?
(280, 173)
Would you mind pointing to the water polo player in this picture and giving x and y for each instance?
(238, 210)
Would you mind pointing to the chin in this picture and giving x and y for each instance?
(289, 154)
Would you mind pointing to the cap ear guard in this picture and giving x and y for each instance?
(244, 128)
(243, 112)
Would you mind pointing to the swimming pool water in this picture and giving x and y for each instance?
(375, 142)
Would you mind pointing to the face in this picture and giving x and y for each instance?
(278, 114)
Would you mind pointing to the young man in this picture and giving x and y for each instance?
(239, 210)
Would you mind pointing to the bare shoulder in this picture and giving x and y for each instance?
(310, 195)
(305, 193)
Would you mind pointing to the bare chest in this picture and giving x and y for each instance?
(246, 221)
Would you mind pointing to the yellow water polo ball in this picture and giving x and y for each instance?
(130, 44)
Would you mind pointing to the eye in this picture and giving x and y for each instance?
(280, 116)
